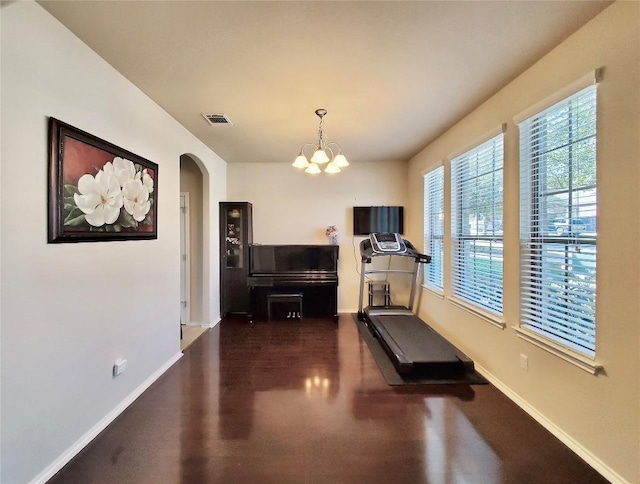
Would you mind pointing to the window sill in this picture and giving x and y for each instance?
(581, 361)
(490, 318)
(434, 290)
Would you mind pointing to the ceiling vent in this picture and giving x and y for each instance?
(217, 119)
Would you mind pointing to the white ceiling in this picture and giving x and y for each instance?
(392, 75)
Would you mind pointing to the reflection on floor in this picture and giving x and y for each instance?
(189, 335)
(303, 402)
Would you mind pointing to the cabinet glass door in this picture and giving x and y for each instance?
(234, 238)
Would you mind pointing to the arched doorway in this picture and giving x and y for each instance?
(194, 281)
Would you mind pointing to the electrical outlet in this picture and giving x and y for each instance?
(119, 366)
(524, 362)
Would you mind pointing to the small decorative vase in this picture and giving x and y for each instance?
(333, 239)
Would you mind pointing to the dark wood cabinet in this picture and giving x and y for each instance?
(236, 234)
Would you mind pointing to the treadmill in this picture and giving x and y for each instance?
(414, 348)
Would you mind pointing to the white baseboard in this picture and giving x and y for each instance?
(565, 438)
(81, 443)
(213, 324)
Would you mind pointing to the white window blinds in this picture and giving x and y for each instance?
(558, 207)
(476, 225)
(434, 227)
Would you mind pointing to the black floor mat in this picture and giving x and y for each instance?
(393, 378)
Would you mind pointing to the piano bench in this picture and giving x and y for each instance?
(284, 298)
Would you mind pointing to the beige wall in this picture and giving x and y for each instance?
(290, 206)
(598, 416)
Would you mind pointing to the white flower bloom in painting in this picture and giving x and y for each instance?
(147, 181)
(136, 199)
(123, 169)
(100, 198)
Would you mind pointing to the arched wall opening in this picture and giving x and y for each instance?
(194, 181)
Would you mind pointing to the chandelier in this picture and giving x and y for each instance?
(322, 153)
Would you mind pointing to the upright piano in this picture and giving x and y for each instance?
(311, 270)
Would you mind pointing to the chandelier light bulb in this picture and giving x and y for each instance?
(301, 161)
(319, 157)
(332, 168)
(340, 160)
(313, 169)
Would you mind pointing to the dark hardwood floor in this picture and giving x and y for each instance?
(304, 402)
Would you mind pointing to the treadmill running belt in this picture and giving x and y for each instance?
(415, 347)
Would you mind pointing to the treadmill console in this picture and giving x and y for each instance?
(387, 243)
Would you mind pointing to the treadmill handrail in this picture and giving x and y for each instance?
(367, 253)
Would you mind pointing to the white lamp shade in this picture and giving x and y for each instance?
(332, 168)
(340, 160)
(313, 168)
(301, 161)
(319, 157)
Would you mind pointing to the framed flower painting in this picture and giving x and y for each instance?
(98, 191)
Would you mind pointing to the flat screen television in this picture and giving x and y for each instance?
(378, 219)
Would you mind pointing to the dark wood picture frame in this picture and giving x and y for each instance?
(97, 190)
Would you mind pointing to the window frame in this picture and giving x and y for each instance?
(483, 303)
(434, 227)
(538, 274)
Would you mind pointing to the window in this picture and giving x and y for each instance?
(434, 227)
(558, 222)
(476, 225)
